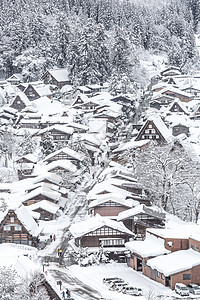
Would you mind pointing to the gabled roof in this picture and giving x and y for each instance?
(52, 177)
(141, 209)
(44, 205)
(82, 228)
(176, 91)
(180, 104)
(61, 128)
(160, 125)
(62, 163)
(23, 98)
(30, 157)
(60, 75)
(114, 198)
(15, 76)
(132, 144)
(44, 191)
(175, 262)
(67, 151)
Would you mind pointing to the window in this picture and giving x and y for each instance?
(150, 126)
(191, 247)
(162, 276)
(6, 228)
(12, 219)
(17, 228)
(186, 276)
(196, 248)
(158, 274)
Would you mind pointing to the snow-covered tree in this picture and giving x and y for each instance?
(47, 144)
(26, 145)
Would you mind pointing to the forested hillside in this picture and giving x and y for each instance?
(97, 40)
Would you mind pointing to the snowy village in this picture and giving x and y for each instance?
(100, 150)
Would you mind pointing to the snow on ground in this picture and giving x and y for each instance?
(93, 276)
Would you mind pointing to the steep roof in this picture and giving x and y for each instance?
(94, 223)
(45, 205)
(67, 151)
(62, 163)
(114, 198)
(60, 74)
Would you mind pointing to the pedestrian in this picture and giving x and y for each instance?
(51, 237)
(58, 251)
(63, 294)
(54, 237)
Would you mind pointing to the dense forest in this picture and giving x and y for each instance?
(98, 40)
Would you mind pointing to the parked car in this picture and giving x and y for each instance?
(182, 289)
(110, 283)
(130, 290)
(194, 288)
(117, 286)
(109, 279)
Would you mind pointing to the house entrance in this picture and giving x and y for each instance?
(139, 264)
(168, 281)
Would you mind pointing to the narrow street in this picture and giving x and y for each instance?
(78, 289)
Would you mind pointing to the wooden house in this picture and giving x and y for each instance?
(59, 133)
(17, 226)
(62, 165)
(34, 91)
(141, 217)
(177, 93)
(194, 90)
(46, 209)
(154, 129)
(99, 231)
(20, 102)
(178, 107)
(181, 266)
(109, 205)
(66, 153)
(15, 79)
(57, 77)
(25, 165)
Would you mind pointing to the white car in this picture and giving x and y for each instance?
(130, 290)
(194, 288)
(182, 289)
(117, 286)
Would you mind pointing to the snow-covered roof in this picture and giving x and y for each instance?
(43, 90)
(52, 177)
(27, 220)
(31, 157)
(44, 191)
(62, 163)
(23, 97)
(60, 74)
(45, 205)
(67, 151)
(151, 246)
(176, 91)
(62, 128)
(82, 228)
(175, 262)
(173, 233)
(180, 103)
(132, 144)
(114, 198)
(141, 209)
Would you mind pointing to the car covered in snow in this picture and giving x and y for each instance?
(105, 280)
(112, 282)
(117, 286)
(194, 289)
(130, 290)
